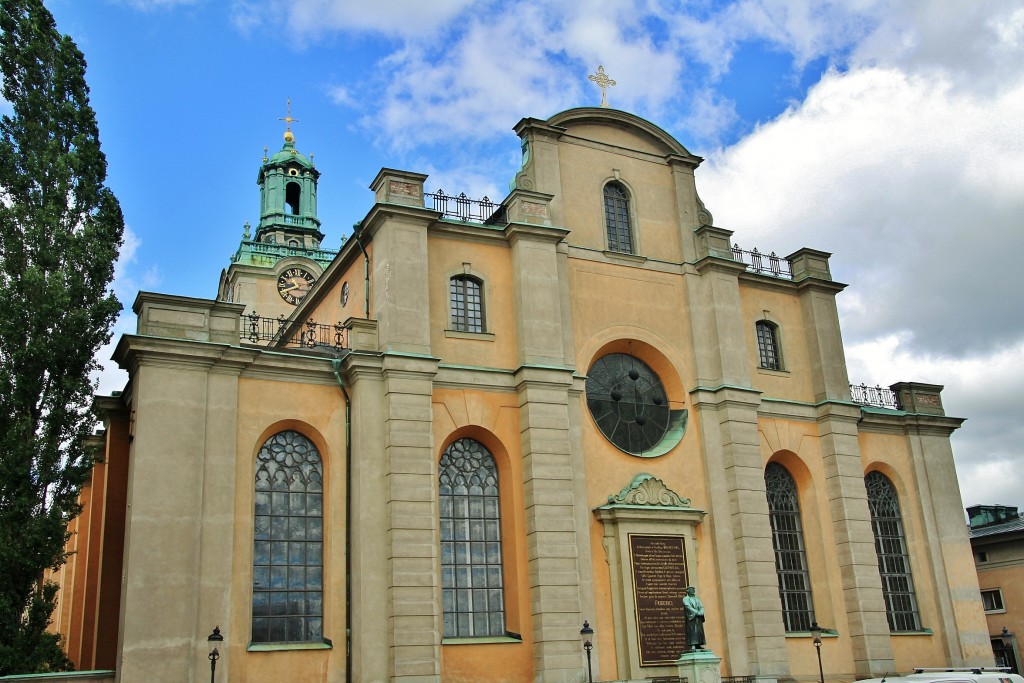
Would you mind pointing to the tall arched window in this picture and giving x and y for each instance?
(616, 218)
(893, 560)
(790, 555)
(467, 304)
(287, 584)
(768, 345)
(472, 590)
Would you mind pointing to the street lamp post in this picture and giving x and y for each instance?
(214, 640)
(587, 635)
(816, 633)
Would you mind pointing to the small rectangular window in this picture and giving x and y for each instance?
(992, 599)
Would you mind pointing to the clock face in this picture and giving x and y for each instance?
(293, 284)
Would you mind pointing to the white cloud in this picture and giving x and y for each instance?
(314, 19)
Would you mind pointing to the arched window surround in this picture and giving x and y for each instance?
(789, 541)
(303, 591)
(614, 241)
(292, 198)
(892, 548)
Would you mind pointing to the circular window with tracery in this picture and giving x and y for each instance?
(630, 406)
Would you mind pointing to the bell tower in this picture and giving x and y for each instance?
(274, 268)
(287, 183)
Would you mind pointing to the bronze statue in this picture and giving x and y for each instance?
(694, 610)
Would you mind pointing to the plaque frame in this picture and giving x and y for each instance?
(645, 507)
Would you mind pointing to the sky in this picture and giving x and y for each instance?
(887, 132)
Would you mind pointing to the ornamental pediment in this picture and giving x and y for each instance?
(647, 490)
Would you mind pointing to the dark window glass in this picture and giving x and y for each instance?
(628, 402)
(472, 593)
(292, 192)
(891, 548)
(790, 556)
(992, 600)
(466, 304)
(768, 345)
(287, 591)
(616, 218)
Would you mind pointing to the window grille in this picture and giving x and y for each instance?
(466, 304)
(891, 548)
(287, 590)
(790, 553)
(616, 216)
(472, 592)
(768, 345)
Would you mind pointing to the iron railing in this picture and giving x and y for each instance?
(308, 335)
(465, 209)
(282, 250)
(763, 264)
(877, 396)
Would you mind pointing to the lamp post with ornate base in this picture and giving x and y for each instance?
(587, 635)
(214, 640)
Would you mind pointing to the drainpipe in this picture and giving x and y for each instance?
(336, 366)
(366, 275)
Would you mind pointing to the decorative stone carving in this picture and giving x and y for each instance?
(704, 216)
(646, 489)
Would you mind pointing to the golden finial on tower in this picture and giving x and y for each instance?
(288, 120)
(603, 82)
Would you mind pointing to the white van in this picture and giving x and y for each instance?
(957, 675)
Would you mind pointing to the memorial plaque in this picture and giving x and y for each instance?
(659, 584)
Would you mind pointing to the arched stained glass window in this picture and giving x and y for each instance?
(768, 345)
(467, 305)
(616, 217)
(790, 553)
(893, 560)
(472, 589)
(287, 585)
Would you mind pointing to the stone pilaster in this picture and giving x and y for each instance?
(738, 506)
(821, 325)
(369, 582)
(552, 536)
(411, 536)
(855, 547)
(961, 622)
(726, 408)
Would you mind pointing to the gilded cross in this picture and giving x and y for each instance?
(603, 82)
(288, 120)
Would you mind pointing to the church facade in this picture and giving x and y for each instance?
(436, 453)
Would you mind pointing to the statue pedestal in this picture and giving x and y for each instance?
(700, 666)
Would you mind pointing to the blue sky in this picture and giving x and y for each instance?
(887, 132)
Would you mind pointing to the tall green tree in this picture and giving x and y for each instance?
(60, 231)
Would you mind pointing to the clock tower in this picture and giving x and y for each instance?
(275, 267)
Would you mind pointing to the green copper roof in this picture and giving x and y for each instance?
(289, 154)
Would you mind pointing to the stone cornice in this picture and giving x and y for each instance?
(899, 422)
(537, 233)
(720, 265)
(722, 394)
(817, 284)
(134, 351)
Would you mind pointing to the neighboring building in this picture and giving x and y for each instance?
(997, 537)
(483, 424)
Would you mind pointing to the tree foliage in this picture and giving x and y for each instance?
(60, 231)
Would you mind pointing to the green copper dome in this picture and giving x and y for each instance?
(289, 154)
